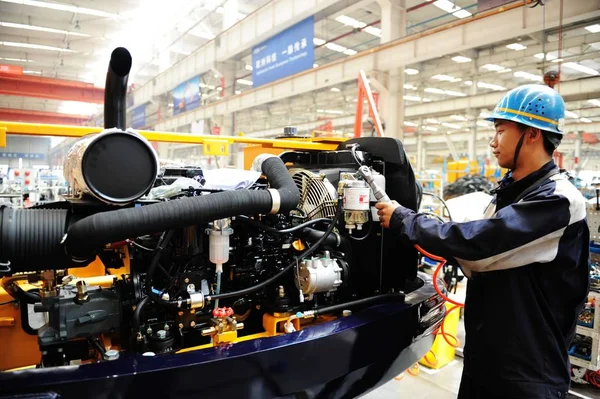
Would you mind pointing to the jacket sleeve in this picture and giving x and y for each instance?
(517, 235)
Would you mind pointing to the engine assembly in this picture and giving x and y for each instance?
(204, 267)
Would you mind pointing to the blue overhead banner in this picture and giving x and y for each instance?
(138, 117)
(186, 96)
(287, 53)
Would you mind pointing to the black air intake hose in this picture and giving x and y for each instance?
(115, 92)
(30, 238)
(88, 235)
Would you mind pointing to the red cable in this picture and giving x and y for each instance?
(457, 305)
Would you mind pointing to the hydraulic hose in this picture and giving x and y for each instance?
(283, 231)
(86, 236)
(12, 288)
(115, 104)
(289, 267)
(457, 305)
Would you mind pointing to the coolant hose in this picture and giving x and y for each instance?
(88, 235)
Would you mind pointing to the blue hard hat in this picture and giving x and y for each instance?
(533, 105)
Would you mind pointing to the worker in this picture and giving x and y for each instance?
(527, 259)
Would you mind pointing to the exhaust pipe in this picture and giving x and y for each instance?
(115, 90)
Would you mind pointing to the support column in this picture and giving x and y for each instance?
(420, 160)
(577, 153)
(393, 26)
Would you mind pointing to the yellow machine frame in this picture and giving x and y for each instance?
(21, 350)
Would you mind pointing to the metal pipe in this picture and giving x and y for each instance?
(115, 92)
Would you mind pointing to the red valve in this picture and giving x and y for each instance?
(17, 173)
(27, 173)
(27, 182)
(222, 312)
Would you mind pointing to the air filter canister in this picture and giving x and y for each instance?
(115, 166)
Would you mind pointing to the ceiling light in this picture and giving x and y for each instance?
(454, 93)
(411, 71)
(335, 89)
(451, 125)
(427, 100)
(431, 128)
(446, 5)
(245, 82)
(16, 59)
(335, 47)
(350, 51)
(248, 67)
(373, 31)
(434, 90)
(458, 118)
(350, 21)
(331, 111)
(528, 76)
(594, 102)
(468, 83)
(318, 42)
(484, 114)
(581, 68)
(493, 67)
(505, 70)
(446, 78)
(585, 120)
(571, 114)
(35, 46)
(593, 28)
(32, 72)
(558, 60)
(549, 57)
(516, 46)
(64, 7)
(40, 29)
(315, 65)
(412, 98)
(201, 33)
(462, 14)
(407, 123)
(431, 120)
(410, 87)
(460, 59)
(490, 86)
(238, 92)
(219, 88)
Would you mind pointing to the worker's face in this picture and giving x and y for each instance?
(505, 142)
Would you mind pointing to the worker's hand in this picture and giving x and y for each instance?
(386, 209)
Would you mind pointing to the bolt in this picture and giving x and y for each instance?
(180, 325)
(193, 312)
(192, 324)
(139, 336)
(161, 334)
(166, 327)
(281, 291)
(179, 313)
(149, 331)
(347, 312)
(186, 280)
